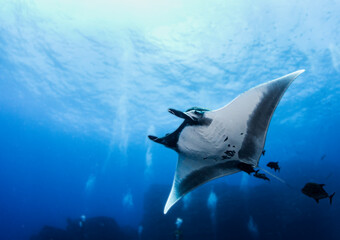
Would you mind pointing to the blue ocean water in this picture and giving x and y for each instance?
(84, 82)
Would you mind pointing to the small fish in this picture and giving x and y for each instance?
(261, 175)
(263, 152)
(323, 157)
(274, 165)
(316, 191)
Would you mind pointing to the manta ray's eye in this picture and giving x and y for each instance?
(197, 112)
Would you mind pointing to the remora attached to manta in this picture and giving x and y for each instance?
(212, 144)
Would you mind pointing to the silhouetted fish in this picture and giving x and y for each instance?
(316, 191)
(245, 167)
(261, 175)
(274, 165)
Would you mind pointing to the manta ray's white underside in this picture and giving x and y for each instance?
(237, 133)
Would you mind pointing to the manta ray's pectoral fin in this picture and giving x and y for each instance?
(192, 172)
(251, 113)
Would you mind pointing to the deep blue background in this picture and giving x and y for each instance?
(82, 84)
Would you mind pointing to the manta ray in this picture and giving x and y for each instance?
(212, 144)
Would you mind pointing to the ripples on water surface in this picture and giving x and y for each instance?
(83, 83)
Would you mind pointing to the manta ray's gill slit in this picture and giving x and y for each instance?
(229, 154)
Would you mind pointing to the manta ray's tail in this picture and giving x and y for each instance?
(276, 177)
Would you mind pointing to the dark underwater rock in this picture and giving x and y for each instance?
(97, 228)
(156, 225)
(257, 212)
(49, 233)
(196, 225)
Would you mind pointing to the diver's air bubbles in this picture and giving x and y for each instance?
(90, 184)
(335, 55)
(186, 201)
(212, 202)
(127, 200)
(148, 155)
(140, 231)
(244, 181)
(252, 227)
(178, 232)
(179, 222)
(82, 220)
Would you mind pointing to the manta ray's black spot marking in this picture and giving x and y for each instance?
(241, 133)
(226, 139)
(205, 158)
(259, 119)
(205, 174)
(228, 145)
(233, 146)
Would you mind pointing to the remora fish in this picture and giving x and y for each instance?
(212, 144)
(261, 175)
